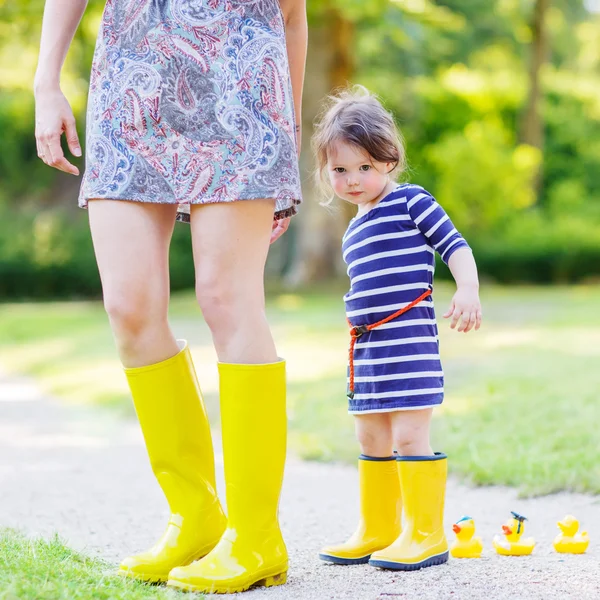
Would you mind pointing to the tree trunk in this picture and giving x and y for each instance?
(319, 229)
(532, 128)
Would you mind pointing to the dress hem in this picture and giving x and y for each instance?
(184, 217)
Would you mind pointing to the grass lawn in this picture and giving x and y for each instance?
(47, 570)
(521, 394)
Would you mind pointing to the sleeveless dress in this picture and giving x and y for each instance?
(190, 103)
(390, 253)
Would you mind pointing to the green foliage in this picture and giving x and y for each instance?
(455, 73)
(38, 569)
(49, 254)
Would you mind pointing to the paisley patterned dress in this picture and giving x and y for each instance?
(190, 103)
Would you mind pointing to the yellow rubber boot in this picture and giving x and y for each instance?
(380, 510)
(422, 542)
(173, 419)
(251, 551)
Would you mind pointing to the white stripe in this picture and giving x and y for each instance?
(416, 198)
(422, 339)
(429, 233)
(391, 360)
(397, 376)
(407, 323)
(393, 271)
(388, 308)
(385, 410)
(425, 213)
(456, 241)
(378, 238)
(388, 289)
(389, 219)
(399, 394)
(389, 254)
(436, 246)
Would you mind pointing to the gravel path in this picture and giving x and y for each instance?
(84, 474)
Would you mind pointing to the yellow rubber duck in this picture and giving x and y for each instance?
(569, 541)
(466, 546)
(511, 544)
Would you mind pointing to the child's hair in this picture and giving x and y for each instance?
(357, 117)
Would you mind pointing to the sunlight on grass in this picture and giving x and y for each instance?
(37, 569)
(521, 394)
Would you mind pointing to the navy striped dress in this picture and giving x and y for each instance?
(390, 253)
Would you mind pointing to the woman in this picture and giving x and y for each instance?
(191, 116)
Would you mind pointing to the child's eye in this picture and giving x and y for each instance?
(339, 169)
(365, 167)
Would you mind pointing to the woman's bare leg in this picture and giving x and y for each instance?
(231, 242)
(131, 242)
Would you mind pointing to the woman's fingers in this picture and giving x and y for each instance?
(279, 228)
(72, 137)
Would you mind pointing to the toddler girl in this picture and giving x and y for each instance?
(395, 375)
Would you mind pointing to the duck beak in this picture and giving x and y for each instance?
(456, 528)
(506, 529)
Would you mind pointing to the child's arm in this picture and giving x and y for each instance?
(436, 226)
(465, 302)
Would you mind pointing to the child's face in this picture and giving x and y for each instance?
(354, 175)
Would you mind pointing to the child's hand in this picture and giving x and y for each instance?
(465, 304)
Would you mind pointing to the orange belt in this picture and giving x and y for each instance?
(358, 330)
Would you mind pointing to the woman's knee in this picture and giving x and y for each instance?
(131, 314)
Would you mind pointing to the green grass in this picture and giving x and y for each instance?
(521, 394)
(37, 569)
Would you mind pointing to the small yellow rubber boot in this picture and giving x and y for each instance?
(253, 419)
(173, 419)
(380, 513)
(422, 542)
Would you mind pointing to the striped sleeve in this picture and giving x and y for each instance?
(433, 222)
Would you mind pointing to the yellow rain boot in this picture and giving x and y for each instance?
(422, 542)
(380, 509)
(251, 551)
(173, 419)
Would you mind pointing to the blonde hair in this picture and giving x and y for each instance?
(357, 117)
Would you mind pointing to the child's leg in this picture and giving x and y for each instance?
(422, 542)
(380, 504)
(410, 432)
(374, 434)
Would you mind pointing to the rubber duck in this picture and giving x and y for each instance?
(569, 541)
(466, 546)
(511, 544)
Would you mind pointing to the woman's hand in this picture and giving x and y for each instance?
(53, 116)
(465, 304)
(279, 228)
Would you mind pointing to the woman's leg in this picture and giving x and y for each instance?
(380, 500)
(231, 242)
(131, 241)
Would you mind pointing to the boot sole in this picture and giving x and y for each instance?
(432, 561)
(269, 581)
(337, 560)
(162, 578)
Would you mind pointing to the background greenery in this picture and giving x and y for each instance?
(516, 166)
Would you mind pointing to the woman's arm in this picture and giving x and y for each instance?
(53, 113)
(296, 35)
